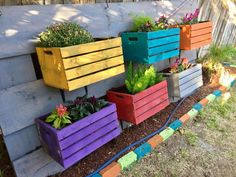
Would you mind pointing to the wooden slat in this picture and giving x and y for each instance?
(189, 71)
(163, 41)
(91, 57)
(149, 90)
(26, 140)
(199, 44)
(189, 90)
(164, 56)
(80, 145)
(190, 83)
(36, 164)
(16, 70)
(201, 32)
(190, 77)
(163, 48)
(201, 25)
(152, 104)
(93, 67)
(77, 83)
(86, 131)
(21, 104)
(90, 47)
(152, 111)
(163, 33)
(67, 131)
(152, 96)
(203, 37)
(90, 148)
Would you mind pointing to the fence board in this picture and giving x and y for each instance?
(21, 104)
(26, 140)
(16, 70)
(17, 37)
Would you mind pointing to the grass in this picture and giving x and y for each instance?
(205, 147)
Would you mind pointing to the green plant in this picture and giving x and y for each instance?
(64, 34)
(217, 54)
(144, 23)
(141, 78)
(192, 137)
(83, 106)
(59, 118)
(180, 65)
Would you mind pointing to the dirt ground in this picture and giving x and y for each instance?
(205, 147)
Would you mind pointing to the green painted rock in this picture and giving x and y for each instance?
(192, 113)
(165, 134)
(211, 98)
(127, 160)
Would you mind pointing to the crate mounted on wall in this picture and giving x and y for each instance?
(77, 66)
(184, 83)
(196, 35)
(77, 140)
(151, 47)
(140, 106)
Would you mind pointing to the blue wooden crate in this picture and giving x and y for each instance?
(151, 47)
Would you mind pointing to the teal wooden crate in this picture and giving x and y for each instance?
(151, 47)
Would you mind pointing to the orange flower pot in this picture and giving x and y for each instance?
(196, 35)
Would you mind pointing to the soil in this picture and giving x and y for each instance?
(128, 136)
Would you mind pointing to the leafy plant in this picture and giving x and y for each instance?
(180, 65)
(217, 54)
(141, 78)
(59, 118)
(64, 34)
(75, 110)
(83, 106)
(191, 18)
(145, 23)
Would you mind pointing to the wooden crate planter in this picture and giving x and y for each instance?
(150, 47)
(195, 36)
(184, 83)
(77, 140)
(138, 107)
(76, 66)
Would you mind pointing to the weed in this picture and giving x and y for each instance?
(184, 153)
(192, 137)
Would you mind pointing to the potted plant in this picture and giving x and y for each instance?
(70, 58)
(183, 78)
(194, 34)
(72, 132)
(143, 95)
(150, 41)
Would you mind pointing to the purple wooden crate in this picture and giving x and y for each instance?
(74, 142)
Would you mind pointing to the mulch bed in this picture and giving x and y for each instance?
(128, 136)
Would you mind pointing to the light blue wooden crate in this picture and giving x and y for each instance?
(151, 47)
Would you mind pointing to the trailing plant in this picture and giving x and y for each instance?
(191, 18)
(59, 118)
(146, 24)
(180, 65)
(141, 78)
(83, 106)
(64, 34)
(75, 110)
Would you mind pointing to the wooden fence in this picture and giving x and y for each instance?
(223, 15)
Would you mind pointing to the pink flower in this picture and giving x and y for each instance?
(185, 61)
(61, 110)
(174, 66)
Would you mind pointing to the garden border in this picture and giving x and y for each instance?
(145, 148)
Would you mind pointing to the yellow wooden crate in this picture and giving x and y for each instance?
(77, 66)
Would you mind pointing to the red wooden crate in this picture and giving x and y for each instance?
(138, 107)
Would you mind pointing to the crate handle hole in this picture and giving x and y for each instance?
(48, 52)
(133, 38)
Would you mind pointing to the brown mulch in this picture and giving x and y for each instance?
(128, 136)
